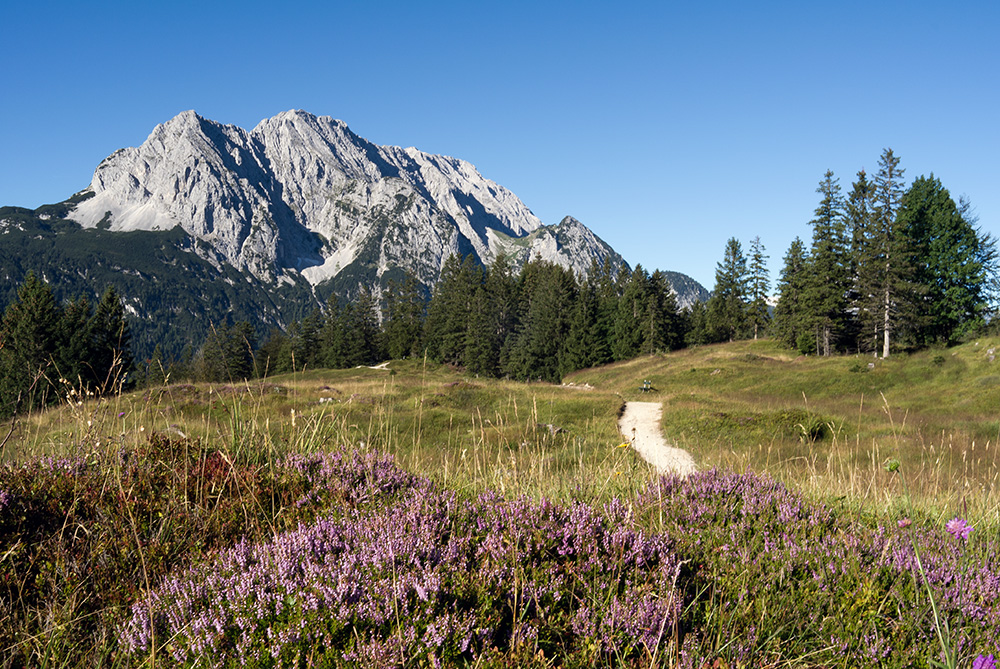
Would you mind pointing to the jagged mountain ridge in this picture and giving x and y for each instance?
(301, 194)
(206, 223)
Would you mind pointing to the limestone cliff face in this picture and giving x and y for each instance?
(303, 195)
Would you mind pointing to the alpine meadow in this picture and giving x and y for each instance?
(288, 398)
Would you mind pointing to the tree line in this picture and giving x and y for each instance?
(538, 323)
(888, 268)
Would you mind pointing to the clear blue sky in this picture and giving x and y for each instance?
(666, 127)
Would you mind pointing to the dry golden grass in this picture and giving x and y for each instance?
(824, 425)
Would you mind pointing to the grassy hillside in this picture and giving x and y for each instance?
(202, 525)
(538, 439)
(828, 425)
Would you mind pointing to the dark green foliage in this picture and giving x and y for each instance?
(546, 295)
(404, 319)
(301, 348)
(29, 337)
(587, 340)
(759, 284)
(228, 354)
(948, 249)
(362, 337)
(697, 327)
(647, 319)
(111, 342)
(450, 310)
(789, 313)
(47, 350)
(859, 212)
(827, 279)
(493, 319)
(176, 289)
(630, 315)
(726, 312)
(889, 267)
(888, 253)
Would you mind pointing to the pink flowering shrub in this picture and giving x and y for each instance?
(344, 559)
(426, 579)
(783, 570)
(82, 534)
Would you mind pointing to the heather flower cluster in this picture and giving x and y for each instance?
(424, 577)
(857, 586)
(95, 525)
(343, 558)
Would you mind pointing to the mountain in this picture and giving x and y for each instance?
(302, 195)
(271, 222)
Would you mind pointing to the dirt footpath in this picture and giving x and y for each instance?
(640, 425)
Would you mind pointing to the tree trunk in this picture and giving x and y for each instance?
(885, 332)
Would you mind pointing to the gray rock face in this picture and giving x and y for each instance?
(301, 194)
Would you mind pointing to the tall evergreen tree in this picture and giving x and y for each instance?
(827, 272)
(887, 248)
(450, 309)
(759, 283)
(546, 295)
(363, 344)
(726, 312)
(586, 342)
(228, 353)
(75, 343)
(630, 320)
(270, 358)
(404, 319)
(28, 339)
(790, 320)
(947, 252)
(697, 326)
(492, 320)
(859, 211)
(665, 328)
(111, 355)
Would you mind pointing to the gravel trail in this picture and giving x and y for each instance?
(640, 425)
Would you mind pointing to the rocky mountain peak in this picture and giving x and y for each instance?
(301, 195)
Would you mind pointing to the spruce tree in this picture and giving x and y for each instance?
(546, 294)
(726, 312)
(672, 325)
(404, 319)
(888, 252)
(697, 327)
(790, 321)
(947, 269)
(859, 211)
(759, 283)
(827, 272)
(111, 356)
(28, 341)
(450, 309)
(482, 345)
(270, 356)
(492, 320)
(630, 320)
(73, 356)
(228, 353)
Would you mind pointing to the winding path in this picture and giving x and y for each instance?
(640, 425)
